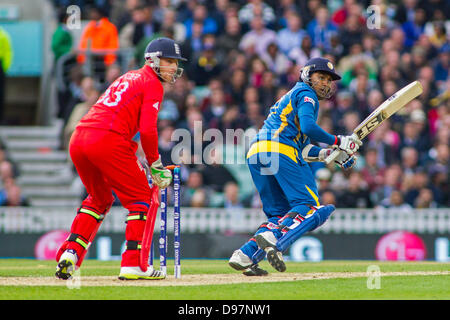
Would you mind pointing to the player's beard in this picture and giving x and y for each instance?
(323, 92)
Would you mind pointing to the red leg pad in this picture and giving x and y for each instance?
(134, 232)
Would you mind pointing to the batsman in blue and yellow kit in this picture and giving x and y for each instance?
(278, 161)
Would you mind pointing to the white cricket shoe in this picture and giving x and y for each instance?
(240, 261)
(135, 273)
(66, 265)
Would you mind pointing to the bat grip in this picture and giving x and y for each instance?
(332, 156)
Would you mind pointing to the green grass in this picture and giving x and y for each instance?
(411, 287)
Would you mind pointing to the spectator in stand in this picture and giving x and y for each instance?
(440, 158)
(215, 109)
(215, 174)
(6, 56)
(321, 28)
(351, 32)
(360, 87)
(14, 197)
(231, 196)
(62, 40)
(323, 177)
(410, 160)
(425, 199)
(7, 170)
(170, 22)
(236, 85)
(160, 7)
(414, 28)
(258, 38)
(437, 34)
(200, 14)
(395, 201)
(112, 73)
(372, 172)
(291, 37)
(99, 35)
(328, 197)
(193, 45)
(442, 65)
(349, 8)
(195, 193)
(439, 179)
(218, 12)
(305, 52)
(385, 145)
(392, 181)
(141, 27)
(121, 12)
(412, 137)
(251, 95)
(206, 66)
(414, 184)
(344, 103)
(276, 61)
(336, 48)
(90, 96)
(232, 119)
(256, 8)
(257, 69)
(165, 144)
(355, 195)
(229, 40)
(87, 85)
(267, 89)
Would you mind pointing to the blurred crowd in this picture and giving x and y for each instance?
(10, 192)
(243, 55)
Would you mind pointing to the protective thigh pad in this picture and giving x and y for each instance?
(305, 224)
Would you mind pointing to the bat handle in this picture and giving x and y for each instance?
(332, 156)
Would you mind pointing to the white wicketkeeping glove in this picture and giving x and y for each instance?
(349, 144)
(161, 176)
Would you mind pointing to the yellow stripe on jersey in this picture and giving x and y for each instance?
(273, 146)
(315, 197)
(284, 123)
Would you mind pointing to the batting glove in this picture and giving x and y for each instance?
(345, 161)
(161, 176)
(349, 144)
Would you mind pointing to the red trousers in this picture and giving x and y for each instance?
(106, 161)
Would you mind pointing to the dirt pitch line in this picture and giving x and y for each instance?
(198, 280)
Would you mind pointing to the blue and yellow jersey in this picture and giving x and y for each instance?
(291, 123)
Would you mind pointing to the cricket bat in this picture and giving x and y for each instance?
(393, 104)
(148, 230)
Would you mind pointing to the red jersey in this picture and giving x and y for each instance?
(130, 104)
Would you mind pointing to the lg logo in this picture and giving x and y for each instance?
(307, 249)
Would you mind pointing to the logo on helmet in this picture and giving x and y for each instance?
(177, 48)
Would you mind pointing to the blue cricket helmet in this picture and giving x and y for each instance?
(318, 64)
(163, 48)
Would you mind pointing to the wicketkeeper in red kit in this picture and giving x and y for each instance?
(104, 156)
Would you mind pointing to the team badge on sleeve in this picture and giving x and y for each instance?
(311, 100)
